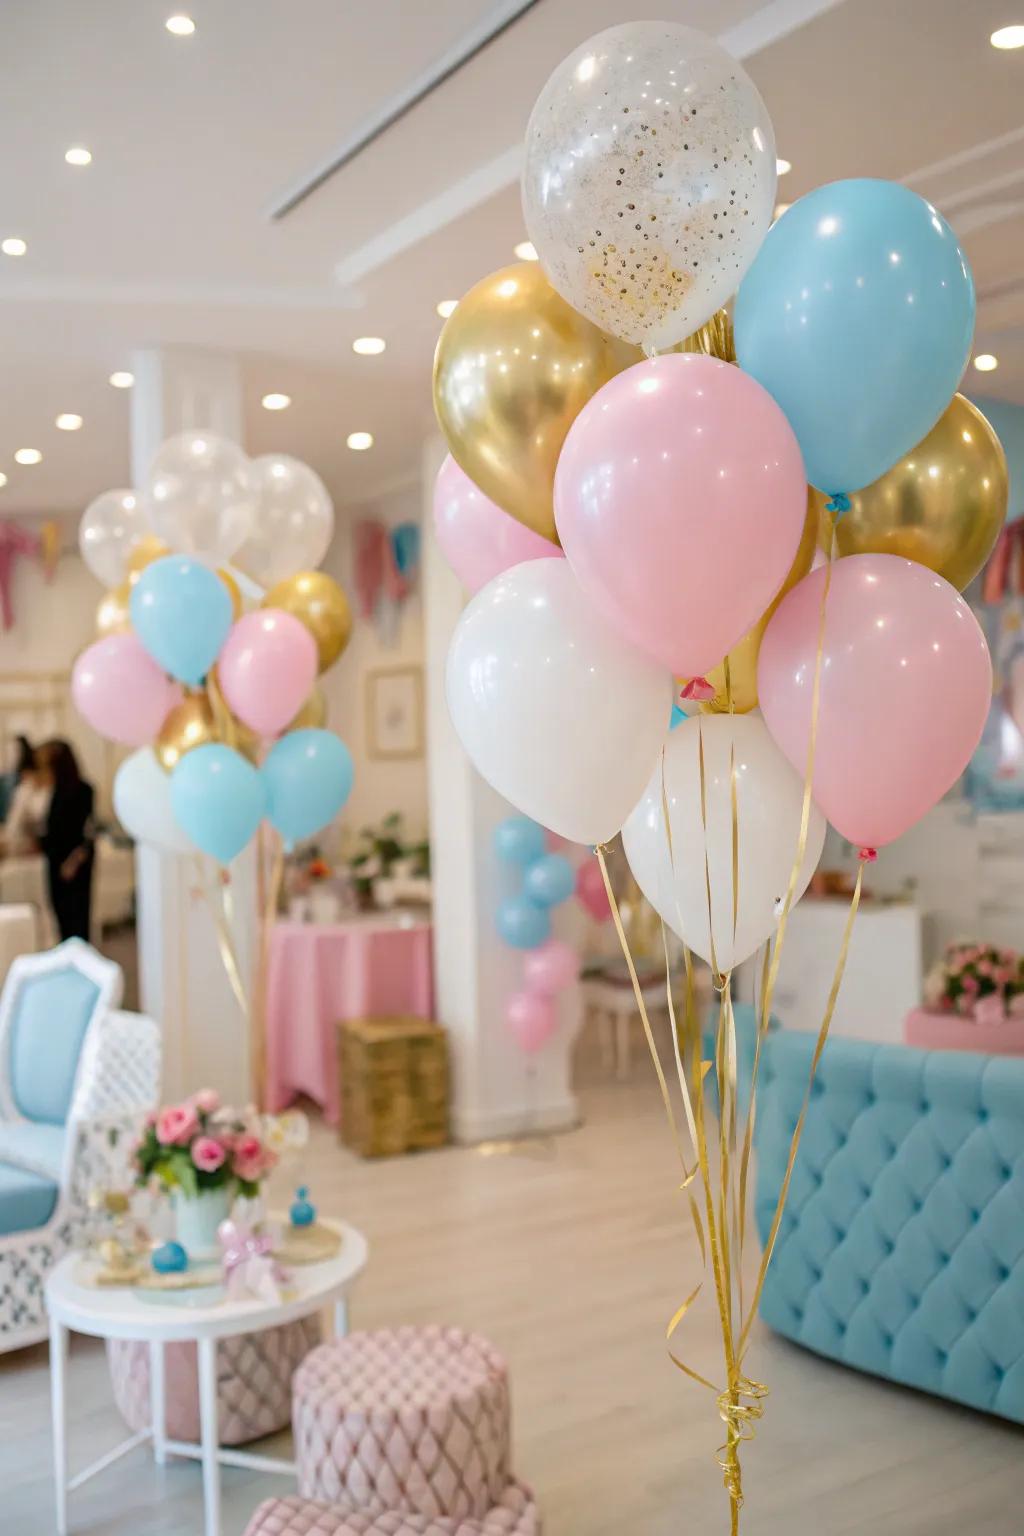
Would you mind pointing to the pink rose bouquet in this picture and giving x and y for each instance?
(979, 981)
(202, 1144)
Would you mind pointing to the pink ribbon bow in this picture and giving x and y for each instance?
(249, 1266)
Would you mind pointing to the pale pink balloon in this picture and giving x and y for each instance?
(532, 1019)
(477, 538)
(119, 689)
(906, 684)
(551, 967)
(679, 500)
(591, 892)
(266, 669)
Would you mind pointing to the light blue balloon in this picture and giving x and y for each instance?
(857, 316)
(308, 777)
(549, 880)
(181, 611)
(522, 924)
(518, 840)
(218, 800)
(677, 717)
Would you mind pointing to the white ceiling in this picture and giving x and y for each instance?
(167, 239)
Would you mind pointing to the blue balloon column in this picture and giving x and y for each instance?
(523, 921)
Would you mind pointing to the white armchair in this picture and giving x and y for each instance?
(76, 1080)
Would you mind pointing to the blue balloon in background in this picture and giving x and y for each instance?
(181, 611)
(677, 717)
(218, 800)
(549, 880)
(522, 924)
(857, 316)
(518, 840)
(308, 777)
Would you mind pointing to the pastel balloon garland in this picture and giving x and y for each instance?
(523, 921)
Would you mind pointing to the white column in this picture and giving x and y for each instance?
(182, 978)
(496, 1091)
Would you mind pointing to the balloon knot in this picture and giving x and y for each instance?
(868, 855)
(698, 689)
(838, 504)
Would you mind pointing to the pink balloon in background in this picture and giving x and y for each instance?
(532, 1018)
(679, 500)
(119, 689)
(551, 967)
(591, 892)
(266, 669)
(477, 538)
(906, 684)
(554, 842)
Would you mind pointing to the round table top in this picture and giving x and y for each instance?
(116, 1312)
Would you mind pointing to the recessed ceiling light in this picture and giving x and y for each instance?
(1008, 37)
(180, 26)
(28, 456)
(13, 246)
(447, 307)
(122, 379)
(985, 362)
(369, 346)
(78, 155)
(526, 250)
(783, 167)
(276, 402)
(360, 441)
(67, 421)
(3, 480)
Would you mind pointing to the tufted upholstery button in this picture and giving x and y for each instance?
(1003, 1273)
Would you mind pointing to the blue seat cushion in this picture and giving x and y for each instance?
(32, 1145)
(52, 1012)
(27, 1200)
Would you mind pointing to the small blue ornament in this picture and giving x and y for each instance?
(169, 1259)
(302, 1212)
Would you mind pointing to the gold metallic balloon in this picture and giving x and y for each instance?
(743, 656)
(942, 505)
(321, 605)
(190, 724)
(715, 339)
(230, 730)
(313, 714)
(113, 616)
(142, 553)
(234, 592)
(514, 366)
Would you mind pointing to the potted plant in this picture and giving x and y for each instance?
(203, 1155)
(383, 854)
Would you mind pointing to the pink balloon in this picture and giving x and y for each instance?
(591, 892)
(119, 689)
(267, 668)
(477, 538)
(679, 500)
(550, 967)
(906, 684)
(532, 1019)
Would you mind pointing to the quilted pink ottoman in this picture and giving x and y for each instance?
(254, 1379)
(412, 1419)
(516, 1515)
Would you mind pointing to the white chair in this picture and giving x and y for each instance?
(76, 1080)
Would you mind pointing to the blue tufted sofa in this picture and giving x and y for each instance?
(902, 1248)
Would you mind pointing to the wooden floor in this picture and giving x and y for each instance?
(571, 1255)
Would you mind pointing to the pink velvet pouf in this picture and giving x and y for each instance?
(410, 1419)
(516, 1515)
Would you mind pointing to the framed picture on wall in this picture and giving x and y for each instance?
(394, 712)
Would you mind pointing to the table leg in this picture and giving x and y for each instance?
(158, 1402)
(58, 1406)
(207, 1353)
(341, 1317)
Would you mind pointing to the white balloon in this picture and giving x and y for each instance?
(142, 803)
(110, 527)
(649, 179)
(769, 801)
(201, 496)
(294, 521)
(559, 713)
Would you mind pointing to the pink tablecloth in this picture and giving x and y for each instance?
(949, 1032)
(320, 973)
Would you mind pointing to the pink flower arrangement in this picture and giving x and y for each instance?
(980, 981)
(202, 1144)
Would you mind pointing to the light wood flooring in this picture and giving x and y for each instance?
(571, 1255)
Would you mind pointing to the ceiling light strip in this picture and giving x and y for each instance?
(476, 40)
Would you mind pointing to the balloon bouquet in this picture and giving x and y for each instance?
(221, 704)
(636, 489)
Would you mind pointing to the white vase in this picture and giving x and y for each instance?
(197, 1218)
(325, 906)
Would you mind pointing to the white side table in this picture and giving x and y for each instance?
(120, 1314)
